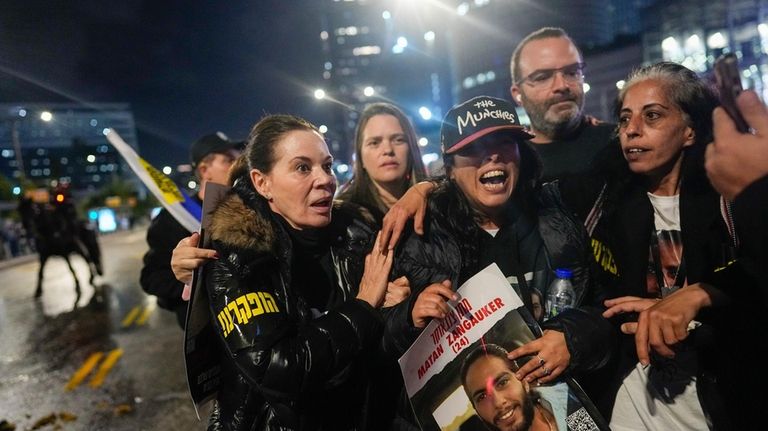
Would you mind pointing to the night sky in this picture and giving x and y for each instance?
(187, 68)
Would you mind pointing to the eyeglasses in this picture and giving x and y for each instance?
(572, 73)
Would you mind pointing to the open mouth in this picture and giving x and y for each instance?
(506, 416)
(322, 204)
(635, 153)
(493, 179)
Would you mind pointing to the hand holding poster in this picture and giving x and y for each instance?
(463, 356)
(201, 343)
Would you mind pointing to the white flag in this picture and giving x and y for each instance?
(183, 208)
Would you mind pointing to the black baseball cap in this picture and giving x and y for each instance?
(477, 117)
(214, 143)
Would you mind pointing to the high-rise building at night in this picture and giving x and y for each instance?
(696, 32)
(63, 143)
(380, 50)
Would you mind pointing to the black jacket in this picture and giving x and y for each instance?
(282, 368)
(622, 236)
(157, 277)
(750, 217)
(449, 249)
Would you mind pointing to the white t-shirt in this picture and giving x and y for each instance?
(663, 395)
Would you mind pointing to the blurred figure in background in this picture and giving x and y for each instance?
(211, 156)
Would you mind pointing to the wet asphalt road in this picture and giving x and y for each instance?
(106, 360)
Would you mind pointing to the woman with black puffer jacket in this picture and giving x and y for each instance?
(292, 294)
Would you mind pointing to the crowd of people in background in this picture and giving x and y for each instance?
(659, 213)
(15, 241)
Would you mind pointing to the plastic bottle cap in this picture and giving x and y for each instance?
(563, 273)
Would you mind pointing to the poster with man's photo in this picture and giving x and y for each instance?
(458, 378)
(202, 350)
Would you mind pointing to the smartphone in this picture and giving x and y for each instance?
(729, 85)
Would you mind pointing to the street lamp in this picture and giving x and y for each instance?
(319, 94)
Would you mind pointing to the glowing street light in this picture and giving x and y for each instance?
(319, 94)
(369, 91)
(323, 128)
(425, 113)
(46, 116)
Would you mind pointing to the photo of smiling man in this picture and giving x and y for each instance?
(501, 400)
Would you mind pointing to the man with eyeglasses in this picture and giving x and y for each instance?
(547, 80)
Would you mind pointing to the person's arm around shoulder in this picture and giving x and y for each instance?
(413, 205)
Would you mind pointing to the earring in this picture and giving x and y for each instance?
(268, 197)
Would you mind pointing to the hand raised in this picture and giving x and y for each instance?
(432, 303)
(373, 286)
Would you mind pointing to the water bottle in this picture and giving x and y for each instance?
(560, 295)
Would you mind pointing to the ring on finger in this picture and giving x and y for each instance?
(546, 370)
(541, 361)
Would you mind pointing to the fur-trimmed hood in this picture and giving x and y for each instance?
(239, 226)
(242, 221)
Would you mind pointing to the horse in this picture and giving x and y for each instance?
(57, 232)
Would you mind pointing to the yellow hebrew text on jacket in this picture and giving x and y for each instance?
(604, 257)
(244, 308)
